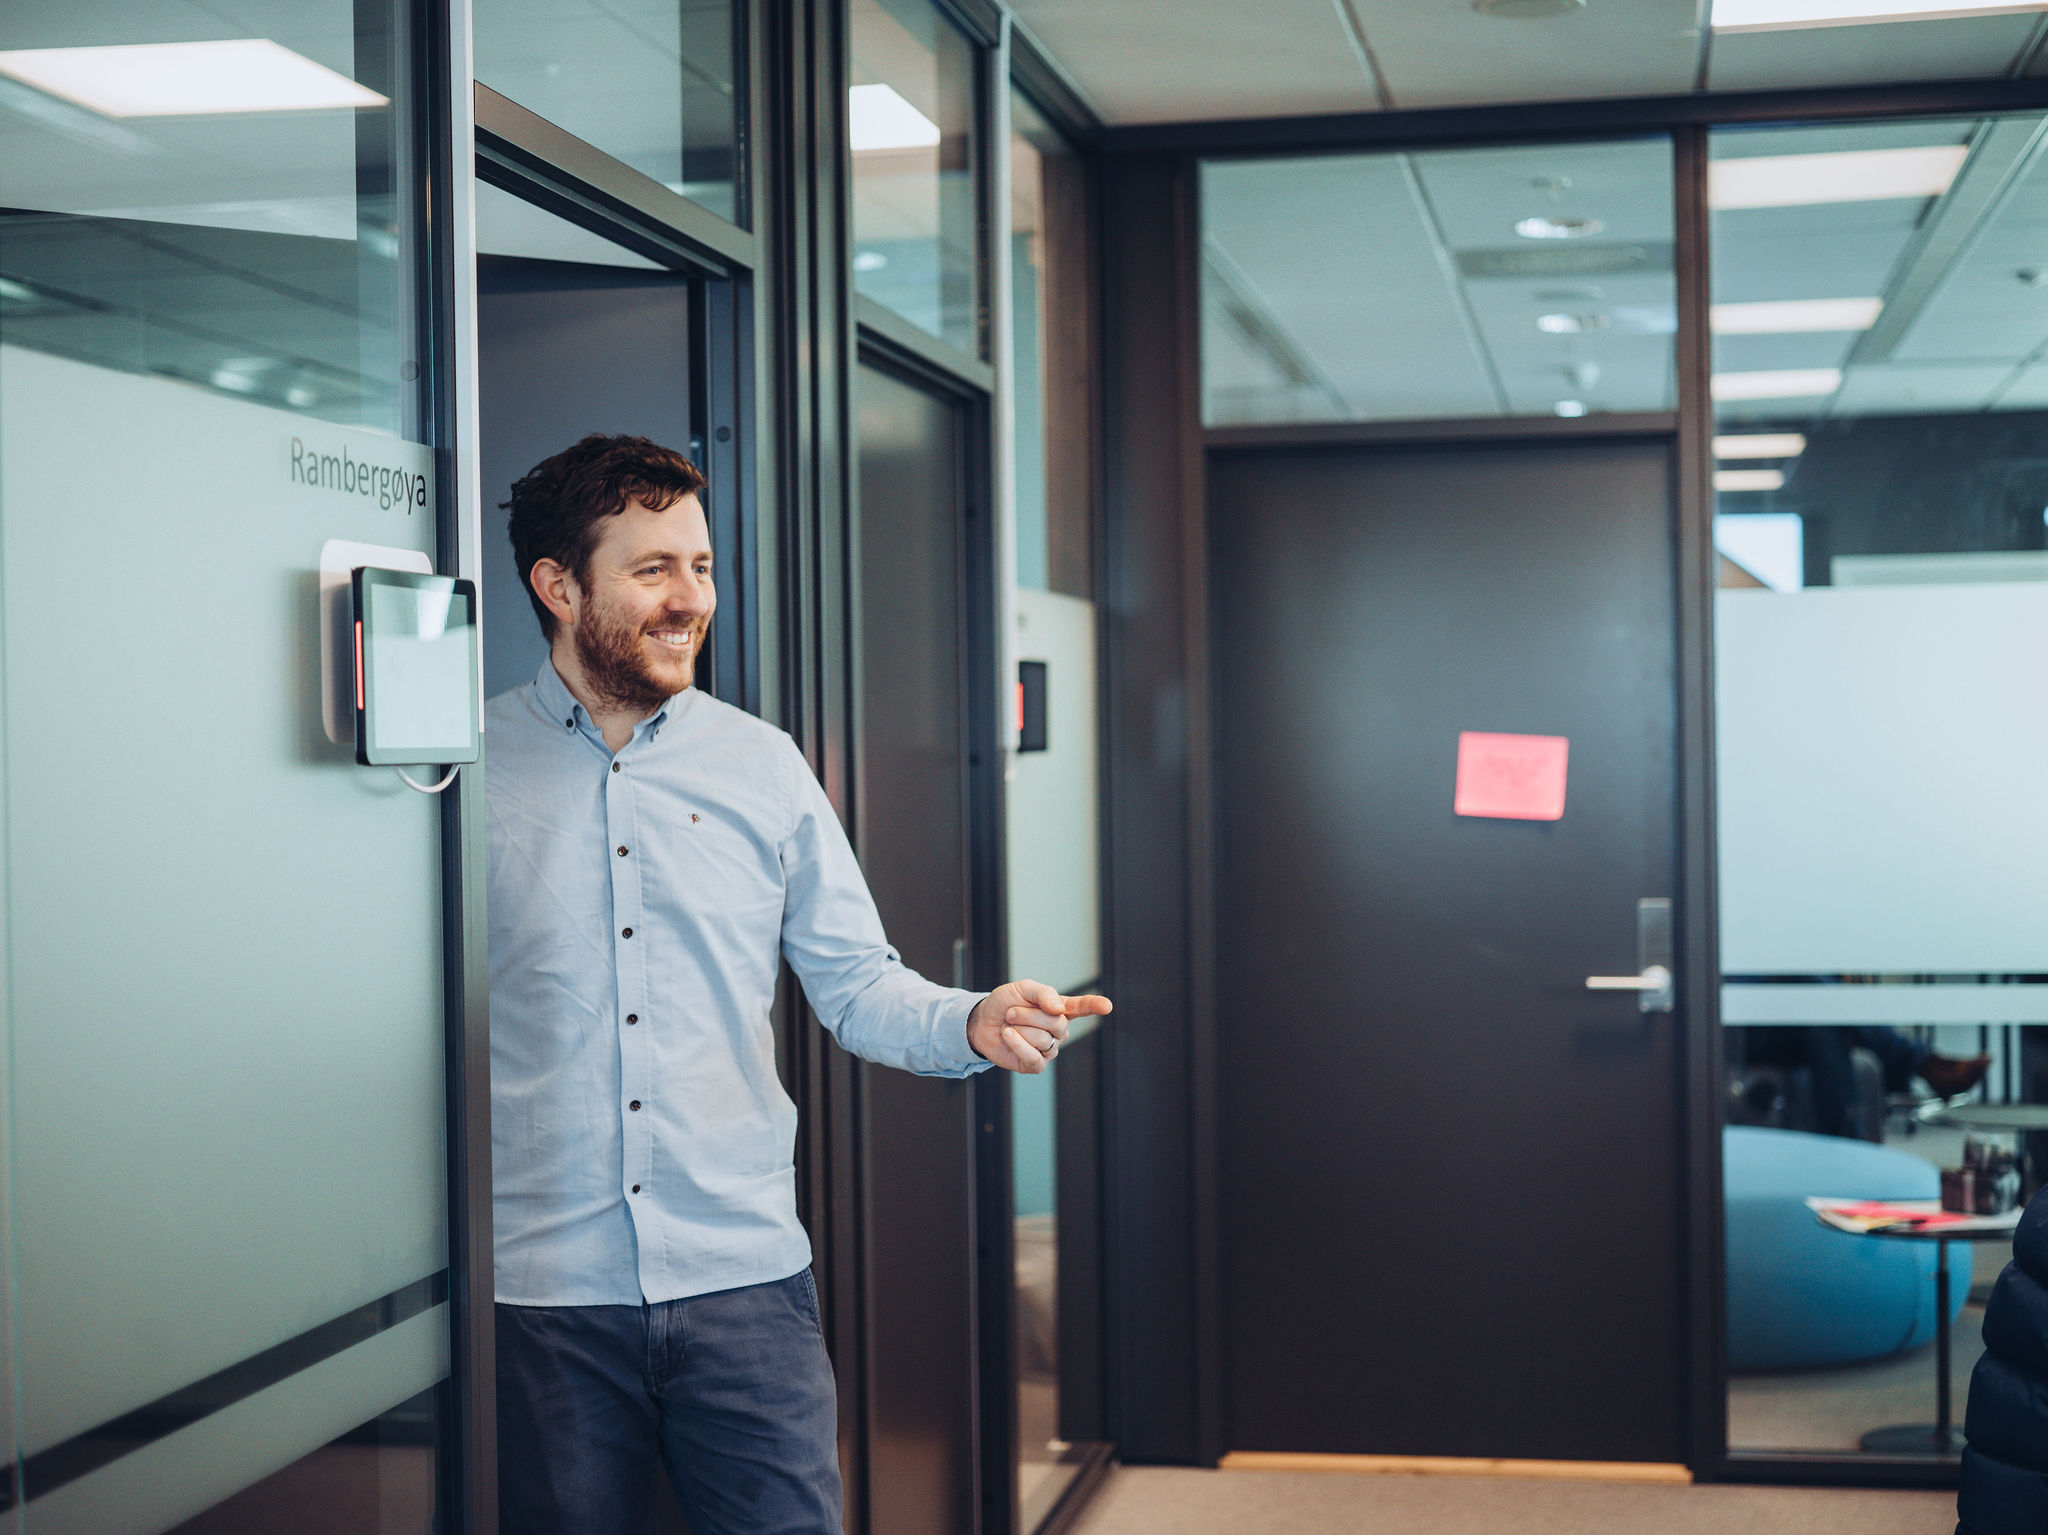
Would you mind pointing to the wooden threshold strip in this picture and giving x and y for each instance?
(1458, 1465)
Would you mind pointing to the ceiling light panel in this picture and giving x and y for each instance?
(1749, 479)
(1791, 15)
(1760, 445)
(1780, 317)
(214, 79)
(1857, 175)
(878, 118)
(1778, 384)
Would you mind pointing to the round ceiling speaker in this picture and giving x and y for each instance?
(1527, 10)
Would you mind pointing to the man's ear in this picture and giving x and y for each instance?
(556, 587)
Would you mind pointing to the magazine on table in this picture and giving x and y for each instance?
(1907, 1216)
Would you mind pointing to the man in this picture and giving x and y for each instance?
(654, 854)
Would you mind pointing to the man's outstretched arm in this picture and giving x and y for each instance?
(865, 996)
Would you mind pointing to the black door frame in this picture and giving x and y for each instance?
(1166, 1348)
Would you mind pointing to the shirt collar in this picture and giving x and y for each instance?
(559, 703)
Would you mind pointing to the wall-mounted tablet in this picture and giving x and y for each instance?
(416, 668)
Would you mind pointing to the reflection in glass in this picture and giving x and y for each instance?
(1526, 281)
(256, 250)
(649, 82)
(910, 123)
(1042, 1472)
(377, 1479)
(223, 936)
(1880, 628)
(1052, 350)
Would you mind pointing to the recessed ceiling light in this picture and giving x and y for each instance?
(1854, 176)
(869, 261)
(878, 118)
(1799, 315)
(1785, 15)
(1760, 445)
(1548, 227)
(1778, 384)
(1570, 324)
(1527, 10)
(186, 79)
(1569, 408)
(1749, 479)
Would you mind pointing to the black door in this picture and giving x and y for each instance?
(912, 796)
(1451, 1173)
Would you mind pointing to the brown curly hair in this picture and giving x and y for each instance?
(557, 505)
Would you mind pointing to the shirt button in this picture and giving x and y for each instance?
(632, 1017)
(622, 852)
(636, 1188)
(625, 932)
(570, 722)
(634, 1105)
(615, 767)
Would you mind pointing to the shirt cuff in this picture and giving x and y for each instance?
(961, 1055)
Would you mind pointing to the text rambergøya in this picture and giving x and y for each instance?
(354, 476)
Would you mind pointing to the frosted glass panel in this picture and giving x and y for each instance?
(1881, 751)
(224, 1006)
(1051, 795)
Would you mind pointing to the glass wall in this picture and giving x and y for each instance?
(911, 115)
(1882, 670)
(1467, 283)
(224, 1011)
(653, 83)
(1052, 798)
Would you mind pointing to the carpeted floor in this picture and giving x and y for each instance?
(1154, 1500)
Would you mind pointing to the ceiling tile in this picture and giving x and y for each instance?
(1895, 389)
(1443, 53)
(1339, 261)
(2028, 392)
(1956, 48)
(1143, 61)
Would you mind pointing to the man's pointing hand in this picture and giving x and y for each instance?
(1020, 1026)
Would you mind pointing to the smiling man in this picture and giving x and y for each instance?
(654, 855)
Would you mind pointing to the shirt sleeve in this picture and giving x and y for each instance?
(867, 998)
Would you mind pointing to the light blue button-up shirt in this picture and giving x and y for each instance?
(640, 903)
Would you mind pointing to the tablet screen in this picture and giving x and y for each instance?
(419, 660)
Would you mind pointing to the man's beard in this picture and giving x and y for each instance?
(615, 664)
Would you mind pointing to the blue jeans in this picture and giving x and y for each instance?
(731, 1391)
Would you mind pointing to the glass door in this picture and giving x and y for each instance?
(224, 994)
(1051, 814)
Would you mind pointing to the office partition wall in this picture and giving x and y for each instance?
(1930, 267)
(231, 1245)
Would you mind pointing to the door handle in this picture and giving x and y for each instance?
(1653, 983)
(959, 964)
(1656, 978)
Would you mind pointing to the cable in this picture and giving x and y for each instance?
(413, 783)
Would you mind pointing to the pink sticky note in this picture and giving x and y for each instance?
(1512, 778)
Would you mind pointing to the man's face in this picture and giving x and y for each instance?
(646, 605)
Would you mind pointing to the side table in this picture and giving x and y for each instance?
(1939, 1438)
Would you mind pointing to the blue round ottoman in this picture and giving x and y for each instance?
(1800, 1294)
